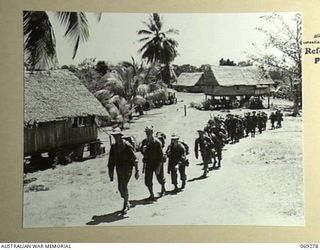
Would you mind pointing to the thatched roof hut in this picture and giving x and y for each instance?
(57, 94)
(236, 80)
(245, 76)
(190, 82)
(59, 113)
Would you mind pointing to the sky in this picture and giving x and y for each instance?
(202, 38)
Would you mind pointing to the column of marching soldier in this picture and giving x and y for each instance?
(218, 132)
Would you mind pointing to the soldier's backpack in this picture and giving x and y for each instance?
(186, 147)
(161, 137)
(131, 140)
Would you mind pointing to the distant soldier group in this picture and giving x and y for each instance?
(241, 126)
(219, 131)
(216, 134)
(276, 117)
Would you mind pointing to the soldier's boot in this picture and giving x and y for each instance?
(183, 185)
(205, 172)
(175, 188)
(151, 197)
(163, 190)
(126, 206)
(214, 164)
(219, 164)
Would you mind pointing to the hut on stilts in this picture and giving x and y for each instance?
(59, 115)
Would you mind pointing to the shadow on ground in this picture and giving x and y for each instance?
(174, 192)
(201, 177)
(146, 201)
(107, 218)
(213, 168)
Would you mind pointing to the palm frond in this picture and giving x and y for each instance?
(150, 43)
(157, 20)
(39, 40)
(77, 28)
(144, 32)
(144, 39)
(151, 25)
(172, 42)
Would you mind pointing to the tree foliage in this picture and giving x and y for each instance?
(39, 37)
(286, 42)
(227, 62)
(158, 47)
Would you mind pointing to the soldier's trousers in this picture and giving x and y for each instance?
(247, 131)
(253, 132)
(233, 136)
(206, 158)
(174, 173)
(150, 169)
(217, 154)
(124, 175)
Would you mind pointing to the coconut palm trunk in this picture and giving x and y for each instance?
(166, 74)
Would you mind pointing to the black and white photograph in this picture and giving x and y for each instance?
(162, 119)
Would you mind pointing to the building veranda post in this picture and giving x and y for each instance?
(237, 83)
(59, 114)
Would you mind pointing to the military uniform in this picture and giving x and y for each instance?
(253, 124)
(247, 123)
(176, 162)
(260, 122)
(205, 145)
(233, 129)
(153, 159)
(279, 118)
(227, 123)
(272, 119)
(265, 120)
(122, 158)
(218, 144)
(239, 127)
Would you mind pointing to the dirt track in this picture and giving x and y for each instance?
(260, 182)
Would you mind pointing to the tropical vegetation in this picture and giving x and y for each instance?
(39, 36)
(158, 47)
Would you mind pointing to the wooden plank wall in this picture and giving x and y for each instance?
(52, 135)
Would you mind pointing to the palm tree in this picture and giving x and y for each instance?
(39, 37)
(158, 47)
(124, 79)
